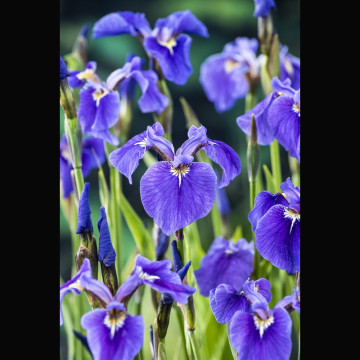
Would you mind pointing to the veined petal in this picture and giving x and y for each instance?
(73, 284)
(292, 300)
(197, 138)
(158, 141)
(283, 87)
(284, 118)
(175, 63)
(175, 199)
(84, 218)
(226, 157)
(225, 263)
(97, 288)
(107, 112)
(258, 291)
(225, 301)
(152, 100)
(126, 158)
(263, 202)
(106, 251)
(275, 342)
(265, 134)
(87, 109)
(223, 81)
(119, 23)
(277, 238)
(89, 147)
(125, 343)
(183, 22)
(292, 194)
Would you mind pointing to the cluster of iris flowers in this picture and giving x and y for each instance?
(237, 280)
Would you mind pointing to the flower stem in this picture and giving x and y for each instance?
(194, 344)
(275, 163)
(115, 212)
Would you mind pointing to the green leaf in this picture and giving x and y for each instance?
(149, 159)
(238, 234)
(270, 185)
(141, 236)
(190, 116)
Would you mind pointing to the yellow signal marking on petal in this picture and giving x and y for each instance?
(180, 171)
(169, 44)
(114, 320)
(77, 286)
(88, 74)
(262, 325)
(99, 94)
(296, 108)
(230, 65)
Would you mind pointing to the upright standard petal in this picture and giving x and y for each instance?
(284, 118)
(254, 339)
(290, 67)
(174, 60)
(106, 251)
(277, 238)
(225, 263)
(84, 218)
(225, 301)
(126, 158)
(112, 24)
(265, 134)
(292, 194)
(74, 285)
(226, 157)
(223, 81)
(263, 202)
(152, 100)
(93, 152)
(175, 198)
(113, 334)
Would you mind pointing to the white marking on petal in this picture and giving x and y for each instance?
(262, 325)
(144, 275)
(293, 215)
(114, 320)
(76, 285)
(142, 143)
(180, 171)
(296, 108)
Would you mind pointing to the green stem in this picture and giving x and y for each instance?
(75, 149)
(275, 163)
(299, 347)
(115, 224)
(180, 319)
(194, 344)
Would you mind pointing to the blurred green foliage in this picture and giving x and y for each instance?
(225, 20)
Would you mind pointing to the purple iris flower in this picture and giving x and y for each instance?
(111, 331)
(177, 191)
(225, 262)
(78, 79)
(157, 275)
(284, 119)
(277, 117)
(289, 67)
(225, 77)
(263, 7)
(261, 333)
(167, 42)
(225, 300)
(275, 219)
(291, 302)
(88, 160)
(100, 102)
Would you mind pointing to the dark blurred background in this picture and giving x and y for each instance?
(225, 20)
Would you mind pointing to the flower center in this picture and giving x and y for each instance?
(261, 324)
(291, 214)
(180, 171)
(114, 320)
(99, 94)
(142, 143)
(169, 44)
(230, 65)
(88, 74)
(296, 108)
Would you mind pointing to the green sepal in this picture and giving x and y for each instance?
(273, 64)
